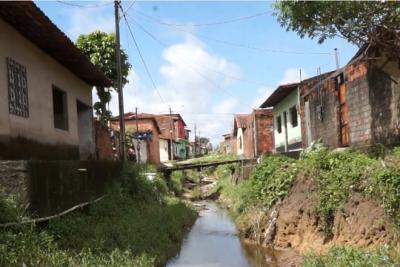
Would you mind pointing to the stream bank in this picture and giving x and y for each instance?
(325, 203)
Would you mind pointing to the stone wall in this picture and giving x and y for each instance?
(49, 187)
(13, 179)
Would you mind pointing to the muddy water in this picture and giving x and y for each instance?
(213, 242)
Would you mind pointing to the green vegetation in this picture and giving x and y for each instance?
(336, 175)
(343, 257)
(136, 224)
(269, 182)
(211, 158)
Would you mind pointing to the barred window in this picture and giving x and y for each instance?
(17, 89)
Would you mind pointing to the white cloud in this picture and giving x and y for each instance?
(262, 94)
(191, 86)
(292, 75)
(85, 20)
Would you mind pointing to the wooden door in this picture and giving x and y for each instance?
(344, 117)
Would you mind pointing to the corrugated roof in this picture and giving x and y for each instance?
(34, 25)
(280, 93)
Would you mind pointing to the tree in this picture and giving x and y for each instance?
(99, 47)
(359, 22)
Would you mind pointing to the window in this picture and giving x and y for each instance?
(17, 89)
(279, 124)
(293, 116)
(60, 110)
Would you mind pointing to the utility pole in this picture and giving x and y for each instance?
(337, 58)
(137, 135)
(195, 138)
(119, 84)
(171, 133)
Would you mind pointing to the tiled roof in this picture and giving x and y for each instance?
(26, 18)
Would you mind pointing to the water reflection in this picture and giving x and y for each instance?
(213, 242)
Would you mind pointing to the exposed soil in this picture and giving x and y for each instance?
(293, 224)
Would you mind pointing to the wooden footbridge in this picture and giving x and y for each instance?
(167, 170)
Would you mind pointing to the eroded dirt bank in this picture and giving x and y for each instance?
(293, 224)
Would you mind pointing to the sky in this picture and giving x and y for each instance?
(208, 59)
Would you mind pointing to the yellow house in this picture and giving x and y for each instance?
(45, 88)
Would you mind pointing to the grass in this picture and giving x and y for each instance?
(337, 175)
(136, 224)
(211, 158)
(344, 257)
(270, 181)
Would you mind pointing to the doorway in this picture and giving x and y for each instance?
(343, 112)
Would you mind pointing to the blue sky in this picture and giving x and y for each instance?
(205, 72)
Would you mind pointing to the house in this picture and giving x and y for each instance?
(143, 135)
(242, 130)
(263, 131)
(357, 105)
(229, 144)
(45, 88)
(179, 136)
(286, 119)
(253, 133)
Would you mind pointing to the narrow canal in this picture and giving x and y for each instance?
(213, 242)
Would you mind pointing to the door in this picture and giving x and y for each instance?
(344, 117)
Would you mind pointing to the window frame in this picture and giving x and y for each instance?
(279, 124)
(294, 119)
(65, 108)
(17, 85)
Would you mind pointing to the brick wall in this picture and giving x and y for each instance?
(384, 98)
(359, 108)
(264, 128)
(104, 148)
(327, 128)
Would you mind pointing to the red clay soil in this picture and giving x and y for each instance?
(362, 224)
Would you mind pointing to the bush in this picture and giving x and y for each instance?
(337, 174)
(341, 257)
(270, 181)
(9, 210)
(177, 180)
(130, 226)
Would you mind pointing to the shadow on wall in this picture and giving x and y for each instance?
(54, 186)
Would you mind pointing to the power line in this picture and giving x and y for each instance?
(187, 62)
(126, 10)
(143, 60)
(214, 22)
(204, 67)
(83, 6)
(249, 47)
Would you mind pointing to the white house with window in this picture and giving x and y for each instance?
(45, 88)
(287, 126)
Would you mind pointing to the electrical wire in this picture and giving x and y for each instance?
(143, 61)
(202, 66)
(212, 23)
(249, 47)
(84, 6)
(187, 62)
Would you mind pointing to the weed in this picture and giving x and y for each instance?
(341, 257)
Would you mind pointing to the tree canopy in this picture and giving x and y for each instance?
(99, 47)
(359, 22)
